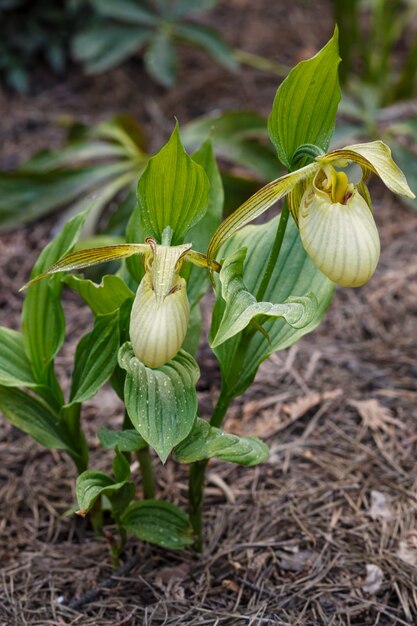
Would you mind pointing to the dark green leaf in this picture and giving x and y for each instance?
(105, 45)
(160, 59)
(172, 191)
(125, 11)
(95, 358)
(158, 522)
(161, 402)
(121, 467)
(124, 440)
(207, 442)
(209, 40)
(305, 104)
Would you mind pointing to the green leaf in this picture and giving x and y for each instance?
(91, 485)
(15, 370)
(207, 442)
(160, 59)
(182, 7)
(238, 137)
(104, 298)
(158, 522)
(305, 104)
(294, 276)
(161, 402)
(242, 307)
(105, 45)
(95, 357)
(172, 191)
(210, 41)
(125, 11)
(28, 195)
(121, 467)
(43, 322)
(34, 417)
(124, 440)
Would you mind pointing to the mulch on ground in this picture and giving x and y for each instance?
(325, 531)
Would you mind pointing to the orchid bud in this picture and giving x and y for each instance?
(161, 311)
(338, 230)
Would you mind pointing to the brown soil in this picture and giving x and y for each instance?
(325, 531)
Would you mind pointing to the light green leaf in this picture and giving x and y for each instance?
(43, 322)
(207, 442)
(104, 298)
(210, 41)
(242, 307)
(172, 191)
(294, 276)
(124, 440)
(161, 402)
(158, 522)
(160, 59)
(305, 104)
(95, 357)
(15, 370)
(34, 417)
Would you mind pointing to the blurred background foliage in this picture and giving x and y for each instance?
(378, 46)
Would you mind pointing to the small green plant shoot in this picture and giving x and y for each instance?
(272, 284)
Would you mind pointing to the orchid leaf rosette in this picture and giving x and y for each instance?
(334, 216)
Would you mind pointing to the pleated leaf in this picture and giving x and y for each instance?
(93, 484)
(207, 442)
(294, 276)
(35, 418)
(242, 307)
(43, 322)
(158, 522)
(161, 402)
(15, 369)
(172, 191)
(305, 104)
(95, 358)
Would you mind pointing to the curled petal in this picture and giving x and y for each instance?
(341, 239)
(158, 327)
(375, 156)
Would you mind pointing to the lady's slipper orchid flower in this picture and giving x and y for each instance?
(160, 311)
(334, 216)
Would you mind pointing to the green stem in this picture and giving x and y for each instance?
(273, 255)
(197, 476)
(148, 481)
